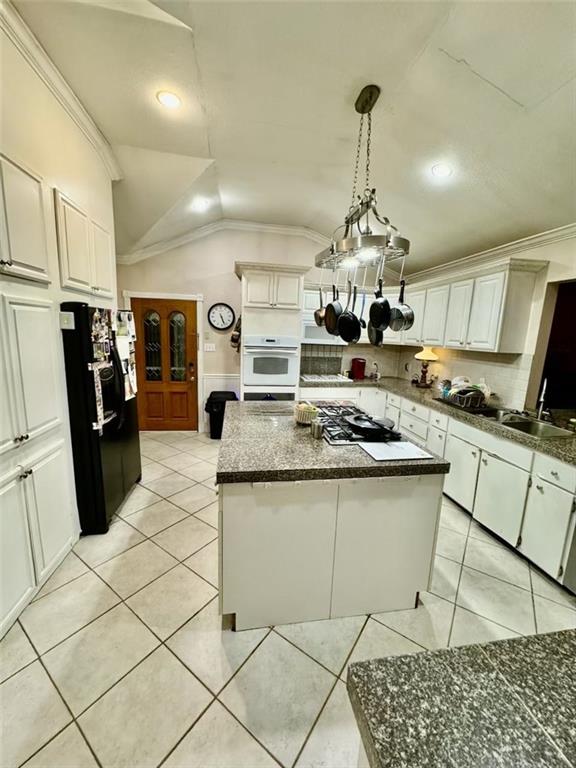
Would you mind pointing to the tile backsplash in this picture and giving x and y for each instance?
(506, 375)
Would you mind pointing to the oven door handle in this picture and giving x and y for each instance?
(270, 350)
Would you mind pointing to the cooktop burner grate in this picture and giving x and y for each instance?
(337, 431)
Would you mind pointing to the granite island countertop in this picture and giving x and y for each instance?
(261, 442)
(510, 703)
(561, 448)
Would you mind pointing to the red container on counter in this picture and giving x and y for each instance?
(357, 368)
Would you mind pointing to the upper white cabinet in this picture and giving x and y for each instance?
(23, 235)
(102, 260)
(434, 319)
(84, 250)
(458, 312)
(269, 286)
(417, 300)
(485, 312)
(73, 244)
(29, 340)
(287, 291)
(257, 289)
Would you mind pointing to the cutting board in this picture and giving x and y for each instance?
(400, 450)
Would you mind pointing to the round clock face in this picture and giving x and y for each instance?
(221, 316)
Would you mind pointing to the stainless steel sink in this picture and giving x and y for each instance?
(538, 429)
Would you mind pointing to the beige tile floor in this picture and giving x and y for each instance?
(122, 660)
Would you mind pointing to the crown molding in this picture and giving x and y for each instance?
(500, 255)
(27, 44)
(221, 225)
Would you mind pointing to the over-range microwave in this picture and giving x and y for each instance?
(271, 361)
(317, 334)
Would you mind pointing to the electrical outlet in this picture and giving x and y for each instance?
(67, 321)
(209, 347)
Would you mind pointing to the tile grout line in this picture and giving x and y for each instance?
(315, 723)
(458, 587)
(533, 600)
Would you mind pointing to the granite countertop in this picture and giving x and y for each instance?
(262, 443)
(562, 448)
(510, 703)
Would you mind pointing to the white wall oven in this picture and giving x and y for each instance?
(271, 362)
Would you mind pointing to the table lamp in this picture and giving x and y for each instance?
(426, 356)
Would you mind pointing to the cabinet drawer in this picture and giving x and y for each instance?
(415, 409)
(330, 393)
(436, 440)
(438, 420)
(414, 425)
(555, 472)
(393, 413)
(394, 400)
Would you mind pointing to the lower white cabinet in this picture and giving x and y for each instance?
(436, 441)
(546, 523)
(17, 576)
(373, 401)
(500, 497)
(393, 413)
(460, 483)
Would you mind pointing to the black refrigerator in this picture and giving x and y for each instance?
(103, 412)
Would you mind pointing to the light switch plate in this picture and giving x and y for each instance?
(209, 347)
(67, 321)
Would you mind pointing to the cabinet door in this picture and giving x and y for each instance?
(393, 413)
(500, 497)
(485, 313)
(73, 245)
(459, 302)
(102, 261)
(23, 223)
(17, 578)
(435, 315)
(545, 526)
(258, 289)
(9, 421)
(417, 301)
(50, 509)
(436, 441)
(373, 401)
(460, 482)
(287, 291)
(35, 360)
(388, 336)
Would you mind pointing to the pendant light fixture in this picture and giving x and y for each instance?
(358, 245)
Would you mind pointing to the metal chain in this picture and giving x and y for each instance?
(368, 140)
(357, 165)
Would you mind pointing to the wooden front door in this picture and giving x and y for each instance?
(166, 363)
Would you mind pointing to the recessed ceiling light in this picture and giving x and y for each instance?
(200, 204)
(442, 170)
(168, 99)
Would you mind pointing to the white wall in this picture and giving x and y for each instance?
(206, 266)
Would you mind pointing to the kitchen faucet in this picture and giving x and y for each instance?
(541, 412)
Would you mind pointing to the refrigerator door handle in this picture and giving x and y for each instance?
(120, 387)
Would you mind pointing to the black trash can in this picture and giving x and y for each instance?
(215, 406)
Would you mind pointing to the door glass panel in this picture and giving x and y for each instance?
(177, 347)
(271, 366)
(152, 346)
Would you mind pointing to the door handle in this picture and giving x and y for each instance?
(191, 369)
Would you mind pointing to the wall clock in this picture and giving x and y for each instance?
(221, 316)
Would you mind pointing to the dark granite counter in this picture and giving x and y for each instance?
(561, 448)
(510, 703)
(262, 443)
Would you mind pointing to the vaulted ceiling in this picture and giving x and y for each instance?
(267, 129)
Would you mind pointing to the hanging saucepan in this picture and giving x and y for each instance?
(401, 315)
(374, 335)
(362, 321)
(333, 311)
(349, 325)
(320, 313)
(380, 309)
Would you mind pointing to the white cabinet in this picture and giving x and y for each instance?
(30, 340)
(460, 299)
(265, 289)
(23, 236)
(49, 508)
(102, 261)
(545, 526)
(485, 312)
(460, 482)
(436, 441)
(388, 336)
(17, 578)
(416, 300)
(500, 497)
(373, 401)
(9, 432)
(73, 227)
(393, 413)
(434, 320)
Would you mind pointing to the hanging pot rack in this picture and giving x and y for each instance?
(358, 245)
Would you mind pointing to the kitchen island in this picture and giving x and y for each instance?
(509, 703)
(313, 531)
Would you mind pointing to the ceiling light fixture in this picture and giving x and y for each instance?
(441, 170)
(200, 204)
(168, 99)
(358, 244)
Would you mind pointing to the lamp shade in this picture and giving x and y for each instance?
(426, 354)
